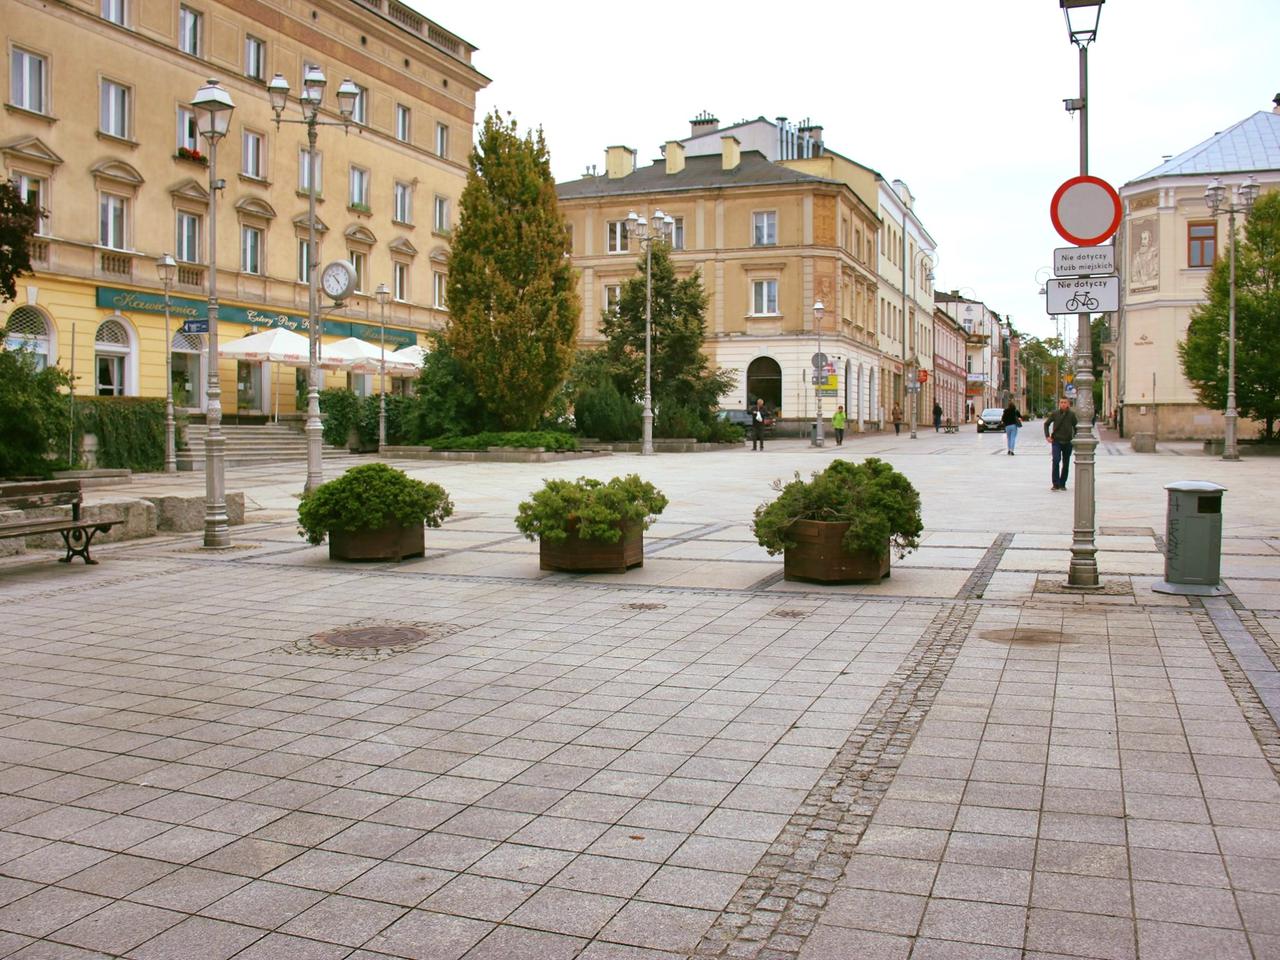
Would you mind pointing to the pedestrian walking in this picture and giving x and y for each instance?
(897, 419)
(838, 420)
(757, 424)
(1060, 431)
(1011, 420)
(937, 416)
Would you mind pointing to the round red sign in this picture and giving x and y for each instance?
(1086, 211)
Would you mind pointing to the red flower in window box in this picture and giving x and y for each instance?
(195, 156)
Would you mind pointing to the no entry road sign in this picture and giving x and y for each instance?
(1085, 211)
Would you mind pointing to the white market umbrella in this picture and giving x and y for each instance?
(276, 345)
(414, 355)
(360, 356)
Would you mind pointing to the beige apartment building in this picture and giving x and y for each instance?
(96, 125)
(769, 241)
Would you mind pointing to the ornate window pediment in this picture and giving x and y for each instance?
(359, 234)
(439, 254)
(303, 224)
(190, 189)
(404, 247)
(256, 207)
(30, 150)
(117, 173)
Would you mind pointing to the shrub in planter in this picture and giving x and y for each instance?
(842, 524)
(372, 512)
(588, 524)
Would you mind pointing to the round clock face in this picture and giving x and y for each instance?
(338, 279)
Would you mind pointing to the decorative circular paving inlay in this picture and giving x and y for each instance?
(370, 639)
(379, 635)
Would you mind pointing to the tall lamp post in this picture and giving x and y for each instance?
(310, 101)
(1082, 18)
(1215, 195)
(819, 374)
(167, 268)
(383, 294)
(212, 106)
(645, 232)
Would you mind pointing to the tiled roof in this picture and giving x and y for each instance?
(1252, 144)
(704, 172)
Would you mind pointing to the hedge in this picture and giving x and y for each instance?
(130, 431)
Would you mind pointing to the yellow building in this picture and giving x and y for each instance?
(769, 241)
(97, 127)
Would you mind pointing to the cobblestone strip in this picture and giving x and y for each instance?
(981, 576)
(1261, 720)
(778, 905)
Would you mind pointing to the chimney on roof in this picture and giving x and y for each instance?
(619, 162)
(1276, 101)
(814, 130)
(730, 152)
(674, 153)
(705, 122)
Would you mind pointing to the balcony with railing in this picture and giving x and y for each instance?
(190, 275)
(116, 263)
(39, 252)
(419, 25)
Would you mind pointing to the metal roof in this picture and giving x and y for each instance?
(1252, 144)
(702, 172)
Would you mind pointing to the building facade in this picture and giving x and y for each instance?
(97, 128)
(949, 366)
(982, 349)
(1168, 242)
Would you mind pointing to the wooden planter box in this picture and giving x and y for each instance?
(818, 556)
(573, 555)
(390, 543)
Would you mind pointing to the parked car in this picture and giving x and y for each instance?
(990, 419)
(743, 419)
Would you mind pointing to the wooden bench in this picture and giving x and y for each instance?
(76, 533)
(950, 426)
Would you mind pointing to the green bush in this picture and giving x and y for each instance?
(547, 439)
(445, 403)
(722, 431)
(130, 431)
(600, 411)
(677, 420)
(369, 497)
(339, 410)
(597, 508)
(34, 415)
(880, 505)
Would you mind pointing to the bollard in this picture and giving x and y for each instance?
(1193, 540)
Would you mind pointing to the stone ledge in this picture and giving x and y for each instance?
(176, 514)
(492, 455)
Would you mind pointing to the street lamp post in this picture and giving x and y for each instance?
(310, 101)
(383, 294)
(213, 107)
(1214, 196)
(167, 268)
(819, 374)
(645, 232)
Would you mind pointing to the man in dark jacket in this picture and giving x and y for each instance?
(758, 415)
(1060, 431)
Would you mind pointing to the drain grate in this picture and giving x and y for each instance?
(789, 614)
(370, 639)
(645, 606)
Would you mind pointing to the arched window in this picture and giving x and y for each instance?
(764, 380)
(188, 350)
(111, 354)
(27, 329)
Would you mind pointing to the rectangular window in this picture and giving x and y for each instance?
(255, 58)
(190, 31)
(112, 221)
(677, 234)
(304, 261)
(188, 134)
(304, 172)
(404, 129)
(764, 297)
(32, 190)
(442, 140)
(618, 240)
(27, 80)
(359, 187)
(110, 374)
(113, 116)
(357, 260)
(250, 249)
(442, 215)
(403, 206)
(1202, 244)
(612, 297)
(400, 281)
(439, 290)
(188, 237)
(113, 10)
(360, 108)
(764, 228)
(252, 154)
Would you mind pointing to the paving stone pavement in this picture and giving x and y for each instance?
(695, 759)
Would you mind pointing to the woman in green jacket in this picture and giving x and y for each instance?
(837, 424)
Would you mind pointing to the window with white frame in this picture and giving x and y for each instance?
(113, 214)
(764, 228)
(250, 249)
(442, 215)
(612, 297)
(400, 280)
(304, 172)
(35, 190)
(359, 187)
(439, 290)
(252, 162)
(188, 246)
(404, 123)
(360, 107)
(304, 260)
(677, 233)
(617, 240)
(113, 116)
(111, 355)
(28, 76)
(114, 11)
(188, 132)
(764, 297)
(359, 261)
(255, 58)
(26, 329)
(442, 139)
(402, 211)
(190, 30)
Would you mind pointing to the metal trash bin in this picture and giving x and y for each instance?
(1193, 540)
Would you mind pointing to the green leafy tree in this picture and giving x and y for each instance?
(18, 222)
(686, 388)
(34, 412)
(1204, 351)
(512, 299)
(445, 402)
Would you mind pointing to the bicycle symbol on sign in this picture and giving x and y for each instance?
(1081, 303)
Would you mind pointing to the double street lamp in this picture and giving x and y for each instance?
(167, 269)
(645, 232)
(310, 101)
(1215, 196)
(212, 106)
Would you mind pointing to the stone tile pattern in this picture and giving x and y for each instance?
(981, 576)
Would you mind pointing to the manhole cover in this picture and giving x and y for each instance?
(645, 606)
(1024, 635)
(370, 639)
(378, 636)
(790, 614)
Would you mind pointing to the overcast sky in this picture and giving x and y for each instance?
(963, 101)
